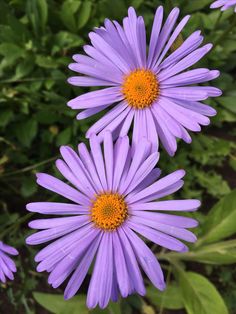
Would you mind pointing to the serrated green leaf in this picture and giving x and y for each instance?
(213, 182)
(200, 295)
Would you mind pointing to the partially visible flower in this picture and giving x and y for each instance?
(153, 92)
(224, 4)
(114, 199)
(7, 266)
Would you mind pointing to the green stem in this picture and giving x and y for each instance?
(16, 224)
(217, 22)
(226, 32)
(31, 79)
(29, 168)
(167, 283)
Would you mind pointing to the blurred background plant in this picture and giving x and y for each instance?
(37, 40)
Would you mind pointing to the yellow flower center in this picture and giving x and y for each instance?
(109, 211)
(140, 88)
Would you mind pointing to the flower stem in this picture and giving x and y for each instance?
(226, 32)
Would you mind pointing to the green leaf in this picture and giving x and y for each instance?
(220, 253)
(55, 303)
(46, 62)
(84, 13)
(68, 9)
(66, 40)
(43, 10)
(37, 11)
(170, 299)
(11, 52)
(24, 68)
(26, 132)
(5, 117)
(200, 295)
(213, 182)
(220, 222)
(196, 5)
(28, 187)
(228, 103)
(64, 137)
(47, 116)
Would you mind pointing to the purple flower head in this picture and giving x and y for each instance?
(156, 93)
(224, 4)
(115, 199)
(7, 266)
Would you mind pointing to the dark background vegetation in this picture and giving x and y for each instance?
(37, 40)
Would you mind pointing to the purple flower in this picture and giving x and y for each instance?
(7, 266)
(114, 199)
(224, 4)
(154, 92)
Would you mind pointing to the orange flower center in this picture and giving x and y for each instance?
(109, 211)
(140, 88)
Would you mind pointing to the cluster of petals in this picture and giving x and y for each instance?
(74, 241)
(116, 52)
(224, 4)
(7, 265)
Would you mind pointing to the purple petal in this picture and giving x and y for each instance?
(98, 98)
(147, 260)
(160, 185)
(158, 237)
(175, 205)
(55, 185)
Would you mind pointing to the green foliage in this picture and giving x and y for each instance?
(220, 222)
(37, 40)
(56, 304)
(199, 295)
(170, 299)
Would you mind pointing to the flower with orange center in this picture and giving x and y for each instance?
(109, 211)
(140, 88)
(112, 201)
(156, 92)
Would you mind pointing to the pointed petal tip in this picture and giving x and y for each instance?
(162, 286)
(171, 153)
(67, 296)
(184, 249)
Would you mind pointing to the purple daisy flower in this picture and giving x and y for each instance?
(224, 4)
(114, 199)
(7, 266)
(154, 92)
